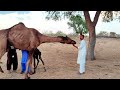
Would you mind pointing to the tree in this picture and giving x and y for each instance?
(92, 34)
(103, 33)
(113, 34)
(78, 24)
(57, 15)
(108, 16)
(58, 33)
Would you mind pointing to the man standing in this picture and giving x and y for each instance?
(81, 60)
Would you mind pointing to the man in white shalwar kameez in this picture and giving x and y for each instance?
(81, 60)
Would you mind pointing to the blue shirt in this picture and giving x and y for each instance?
(24, 56)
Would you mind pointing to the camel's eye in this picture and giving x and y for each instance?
(65, 38)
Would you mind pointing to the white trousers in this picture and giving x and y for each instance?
(82, 68)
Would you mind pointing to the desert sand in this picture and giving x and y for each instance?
(60, 61)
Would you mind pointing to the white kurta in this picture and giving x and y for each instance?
(82, 53)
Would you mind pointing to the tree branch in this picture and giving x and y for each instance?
(87, 18)
(96, 18)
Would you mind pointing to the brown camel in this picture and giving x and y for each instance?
(24, 38)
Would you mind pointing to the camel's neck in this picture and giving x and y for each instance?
(47, 39)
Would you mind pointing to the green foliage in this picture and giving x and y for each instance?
(102, 33)
(49, 33)
(78, 24)
(60, 33)
(106, 34)
(112, 34)
(55, 15)
(58, 15)
(108, 16)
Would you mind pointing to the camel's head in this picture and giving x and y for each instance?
(67, 40)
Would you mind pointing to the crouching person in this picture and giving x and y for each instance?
(12, 58)
(24, 61)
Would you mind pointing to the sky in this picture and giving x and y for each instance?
(36, 19)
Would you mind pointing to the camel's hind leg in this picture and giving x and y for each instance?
(34, 66)
(1, 70)
(43, 64)
(37, 63)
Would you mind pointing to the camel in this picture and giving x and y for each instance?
(37, 56)
(24, 38)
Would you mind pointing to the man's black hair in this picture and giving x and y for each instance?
(82, 35)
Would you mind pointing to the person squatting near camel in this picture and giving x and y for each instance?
(24, 61)
(11, 58)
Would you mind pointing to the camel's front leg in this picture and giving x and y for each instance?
(29, 64)
(34, 66)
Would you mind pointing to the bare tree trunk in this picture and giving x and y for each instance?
(92, 34)
(91, 44)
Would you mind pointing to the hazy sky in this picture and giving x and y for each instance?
(36, 19)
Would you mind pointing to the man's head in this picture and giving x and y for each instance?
(81, 37)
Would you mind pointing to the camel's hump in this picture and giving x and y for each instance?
(20, 25)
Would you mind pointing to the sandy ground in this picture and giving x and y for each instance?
(60, 62)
